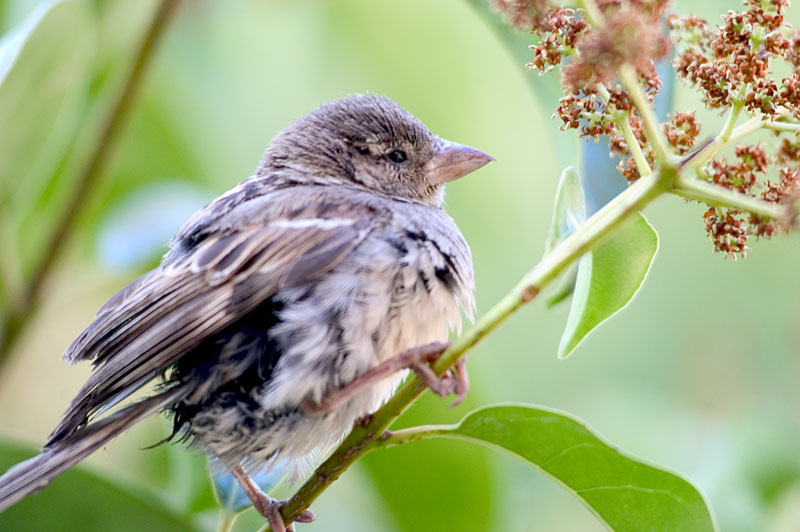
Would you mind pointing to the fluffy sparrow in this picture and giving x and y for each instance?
(286, 308)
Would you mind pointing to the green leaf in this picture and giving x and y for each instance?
(569, 212)
(79, 500)
(44, 66)
(569, 208)
(625, 493)
(44, 73)
(608, 278)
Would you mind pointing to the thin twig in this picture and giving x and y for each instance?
(703, 191)
(28, 302)
(661, 149)
(782, 126)
(623, 122)
(730, 122)
(411, 434)
(709, 150)
(10, 275)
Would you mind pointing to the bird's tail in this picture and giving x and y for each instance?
(34, 474)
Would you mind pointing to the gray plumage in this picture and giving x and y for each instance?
(335, 256)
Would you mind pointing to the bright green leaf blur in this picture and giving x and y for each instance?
(43, 82)
(608, 278)
(79, 500)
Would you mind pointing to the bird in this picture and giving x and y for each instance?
(285, 309)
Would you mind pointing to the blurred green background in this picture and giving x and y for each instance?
(699, 374)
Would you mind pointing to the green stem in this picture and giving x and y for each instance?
(782, 126)
(359, 441)
(730, 123)
(421, 432)
(661, 150)
(87, 182)
(10, 275)
(711, 149)
(752, 125)
(699, 190)
(623, 123)
(633, 145)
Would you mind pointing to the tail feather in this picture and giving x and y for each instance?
(34, 474)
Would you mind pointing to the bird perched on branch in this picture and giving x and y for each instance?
(286, 308)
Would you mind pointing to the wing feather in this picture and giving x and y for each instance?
(152, 322)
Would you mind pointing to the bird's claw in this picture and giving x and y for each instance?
(271, 509)
(454, 381)
(418, 360)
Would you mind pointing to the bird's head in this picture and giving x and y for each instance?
(370, 142)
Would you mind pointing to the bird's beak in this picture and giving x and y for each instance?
(452, 161)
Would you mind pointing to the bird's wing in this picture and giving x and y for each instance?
(152, 322)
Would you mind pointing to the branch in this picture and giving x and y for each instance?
(420, 432)
(696, 189)
(782, 126)
(362, 438)
(29, 300)
(711, 149)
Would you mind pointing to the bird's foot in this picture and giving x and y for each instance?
(454, 380)
(267, 506)
(418, 360)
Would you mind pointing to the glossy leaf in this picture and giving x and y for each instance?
(569, 208)
(569, 212)
(608, 279)
(624, 492)
(101, 505)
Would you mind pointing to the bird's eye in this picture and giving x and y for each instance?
(397, 156)
(363, 150)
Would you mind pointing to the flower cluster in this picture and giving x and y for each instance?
(523, 14)
(630, 36)
(594, 103)
(730, 228)
(681, 131)
(726, 231)
(731, 65)
(559, 31)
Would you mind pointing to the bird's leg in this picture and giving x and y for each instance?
(418, 360)
(267, 506)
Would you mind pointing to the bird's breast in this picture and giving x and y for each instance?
(399, 289)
